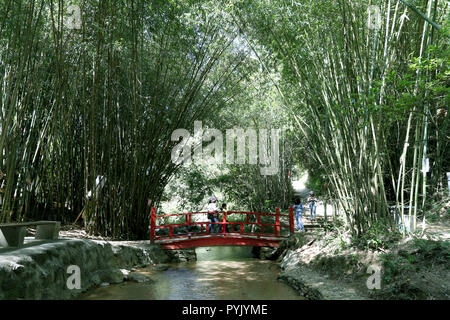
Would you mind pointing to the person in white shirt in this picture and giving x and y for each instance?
(213, 213)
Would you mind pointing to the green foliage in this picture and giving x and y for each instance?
(400, 271)
(439, 206)
(103, 101)
(433, 251)
(339, 266)
(394, 268)
(378, 236)
(358, 96)
(241, 186)
(317, 181)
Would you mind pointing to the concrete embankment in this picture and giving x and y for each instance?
(40, 270)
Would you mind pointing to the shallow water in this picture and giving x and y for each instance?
(228, 273)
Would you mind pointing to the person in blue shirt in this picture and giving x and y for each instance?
(298, 210)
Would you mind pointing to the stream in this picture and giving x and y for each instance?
(220, 273)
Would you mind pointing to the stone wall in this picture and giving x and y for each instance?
(183, 255)
(39, 271)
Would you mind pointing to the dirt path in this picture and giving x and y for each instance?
(438, 230)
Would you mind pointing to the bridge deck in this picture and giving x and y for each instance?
(218, 240)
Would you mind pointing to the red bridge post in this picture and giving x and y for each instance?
(224, 220)
(277, 222)
(291, 219)
(258, 221)
(152, 225)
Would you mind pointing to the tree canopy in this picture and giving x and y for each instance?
(87, 111)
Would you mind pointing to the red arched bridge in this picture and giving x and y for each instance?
(194, 229)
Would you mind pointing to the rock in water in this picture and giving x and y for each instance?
(96, 279)
(138, 277)
(125, 273)
(111, 275)
(160, 267)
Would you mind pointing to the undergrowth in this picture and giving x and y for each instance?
(401, 270)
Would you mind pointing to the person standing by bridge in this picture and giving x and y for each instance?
(299, 208)
(213, 213)
(312, 205)
(224, 216)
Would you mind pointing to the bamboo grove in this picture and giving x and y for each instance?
(369, 104)
(87, 114)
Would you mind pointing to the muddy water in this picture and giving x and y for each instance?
(229, 273)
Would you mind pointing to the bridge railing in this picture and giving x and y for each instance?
(189, 220)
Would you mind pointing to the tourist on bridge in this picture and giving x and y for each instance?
(213, 214)
(299, 208)
(312, 205)
(224, 216)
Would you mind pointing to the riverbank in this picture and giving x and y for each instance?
(318, 265)
(40, 270)
(327, 265)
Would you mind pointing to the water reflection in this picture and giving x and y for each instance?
(228, 273)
